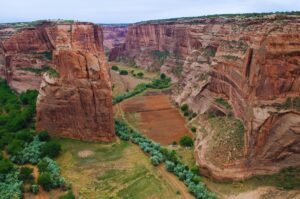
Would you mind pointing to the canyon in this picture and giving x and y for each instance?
(65, 61)
(241, 68)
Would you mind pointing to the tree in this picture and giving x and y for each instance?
(184, 108)
(51, 149)
(116, 68)
(44, 136)
(26, 174)
(5, 166)
(140, 74)
(186, 141)
(123, 72)
(194, 129)
(15, 147)
(45, 181)
(162, 76)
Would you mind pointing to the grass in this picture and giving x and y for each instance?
(115, 170)
(227, 141)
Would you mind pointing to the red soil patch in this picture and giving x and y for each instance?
(158, 119)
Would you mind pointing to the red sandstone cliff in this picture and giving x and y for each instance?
(76, 100)
(251, 62)
(114, 35)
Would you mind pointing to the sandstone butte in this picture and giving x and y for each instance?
(75, 96)
(254, 63)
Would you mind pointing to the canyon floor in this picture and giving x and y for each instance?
(121, 170)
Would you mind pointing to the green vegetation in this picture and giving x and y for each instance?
(140, 74)
(160, 56)
(242, 15)
(21, 143)
(231, 57)
(116, 68)
(115, 170)
(155, 84)
(227, 140)
(159, 155)
(290, 103)
(186, 112)
(68, 195)
(123, 72)
(186, 141)
(45, 55)
(49, 177)
(194, 129)
(210, 51)
(45, 69)
(223, 102)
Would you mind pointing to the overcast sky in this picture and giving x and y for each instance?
(120, 11)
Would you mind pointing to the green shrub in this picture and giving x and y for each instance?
(51, 149)
(140, 74)
(123, 72)
(5, 166)
(184, 108)
(25, 136)
(11, 185)
(186, 141)
(45, 181)
(116, 68)
(34, 188)
(44, 136)
(68, 195)
(223, 102)
(31, 152)
(194, 129)
(162, 76)
(26, 174)
(15, 147)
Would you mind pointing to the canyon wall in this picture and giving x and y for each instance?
(114, 35)
(66, 62)
(251, 62)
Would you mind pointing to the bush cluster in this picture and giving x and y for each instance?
(186, 141)
(22, 143)
(187, 112)
(172, 162)
(49, 177)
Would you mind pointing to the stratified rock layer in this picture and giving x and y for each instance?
(66, 62)
(251, 62)
(78, 103)
(114, 35)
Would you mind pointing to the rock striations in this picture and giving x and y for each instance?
(66, 61)
(252, 62)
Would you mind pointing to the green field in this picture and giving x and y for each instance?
(118, 170)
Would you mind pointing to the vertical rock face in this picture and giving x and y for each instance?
(66, 62)
(251, 62)
(25, 54)
(114, 35)
(78, 103)
(2, 61)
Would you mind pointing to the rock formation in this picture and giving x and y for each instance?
(114, 35)
(66, 61)
(253, 63)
